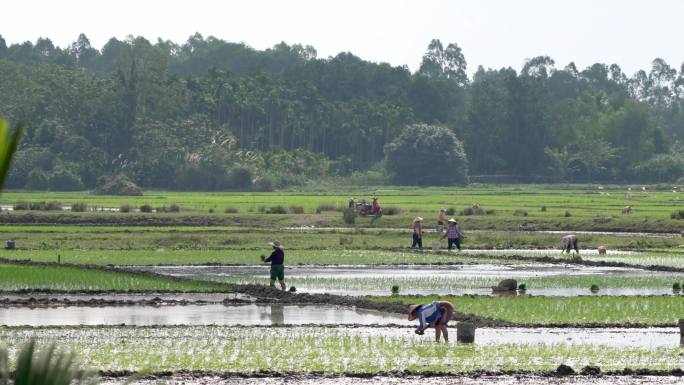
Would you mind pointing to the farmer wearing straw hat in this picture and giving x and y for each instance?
(417, 233)
(453, 234)
(277, 259)
(436, 314)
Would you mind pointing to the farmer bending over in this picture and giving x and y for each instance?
(436, 314)
(277, 259)
(570, 242)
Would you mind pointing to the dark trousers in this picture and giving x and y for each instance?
(572, 245)
(417, 240)
(455, 241)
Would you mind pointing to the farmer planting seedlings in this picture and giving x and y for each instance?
(570, 242)
(436, 314)
(277, 259)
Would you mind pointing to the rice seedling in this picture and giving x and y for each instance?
(26, 277)
(563, 310)
(395, 289)
(320, 349)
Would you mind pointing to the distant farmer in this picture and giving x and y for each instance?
(351, 203)
(441, 217)
(627, 210)
(277, 259)
(570, 242)
(376, 209)
(417, 233)
(453, 234)
(436, 314)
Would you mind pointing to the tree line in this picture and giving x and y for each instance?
(210, 114)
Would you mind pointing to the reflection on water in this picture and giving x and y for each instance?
(195, 315)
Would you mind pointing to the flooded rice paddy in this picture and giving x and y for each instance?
(360, 280)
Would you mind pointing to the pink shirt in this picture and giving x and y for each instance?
(417, 228)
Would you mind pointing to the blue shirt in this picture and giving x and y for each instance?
(427, 314)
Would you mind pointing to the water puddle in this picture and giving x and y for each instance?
(195, 315)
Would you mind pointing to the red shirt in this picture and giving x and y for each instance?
(417, 228)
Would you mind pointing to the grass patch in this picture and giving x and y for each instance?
(25, 277)
(563, 310)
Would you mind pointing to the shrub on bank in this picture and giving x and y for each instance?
(116, 185)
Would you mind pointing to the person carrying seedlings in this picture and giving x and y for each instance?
(417, 233)
(570, 242)
(436, 314)
(453, 234)
(277, 259)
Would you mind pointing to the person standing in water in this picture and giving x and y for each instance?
(417, 233)
(436, 314)
(277, 259)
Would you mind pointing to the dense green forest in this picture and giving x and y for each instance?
(214, 115)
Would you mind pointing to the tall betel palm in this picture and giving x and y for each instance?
(48, 367)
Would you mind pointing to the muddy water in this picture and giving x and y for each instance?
(189, 379)
(192, 297)
(366, 274)
(195, 315)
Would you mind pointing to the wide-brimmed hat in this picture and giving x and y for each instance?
(276, 244)
(418, 219)
(452, 220)
(411, 311)
(442, 210)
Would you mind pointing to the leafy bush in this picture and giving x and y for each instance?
(327, 207)
(391, 210)
(476, 210)
(427, 155)
(676, 286)
(263, 184)
(79, 207)
(349, 216)
(660, 168)
(594, 288)
(395, 289)
(37, 180)
(522, 287)
(567, 214)
(125, 208)
(346, 241)
(677, 214)
(62, 179)
(231, 210)
(116, 185)
(240, 178)
(38, 206)
(450, 211)
(520, 213)
(174, 208)
(277, 210)
(145, 208)
(296, 209)
(543, 208)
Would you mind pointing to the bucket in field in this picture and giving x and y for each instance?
(436, 246)
(465, 332)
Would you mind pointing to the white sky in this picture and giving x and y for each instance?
(492, 33)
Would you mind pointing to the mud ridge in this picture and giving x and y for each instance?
(561, 371)
(32, 302)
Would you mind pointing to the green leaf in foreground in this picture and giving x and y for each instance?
(8, 145)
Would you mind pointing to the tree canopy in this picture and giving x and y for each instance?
(211, 114)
